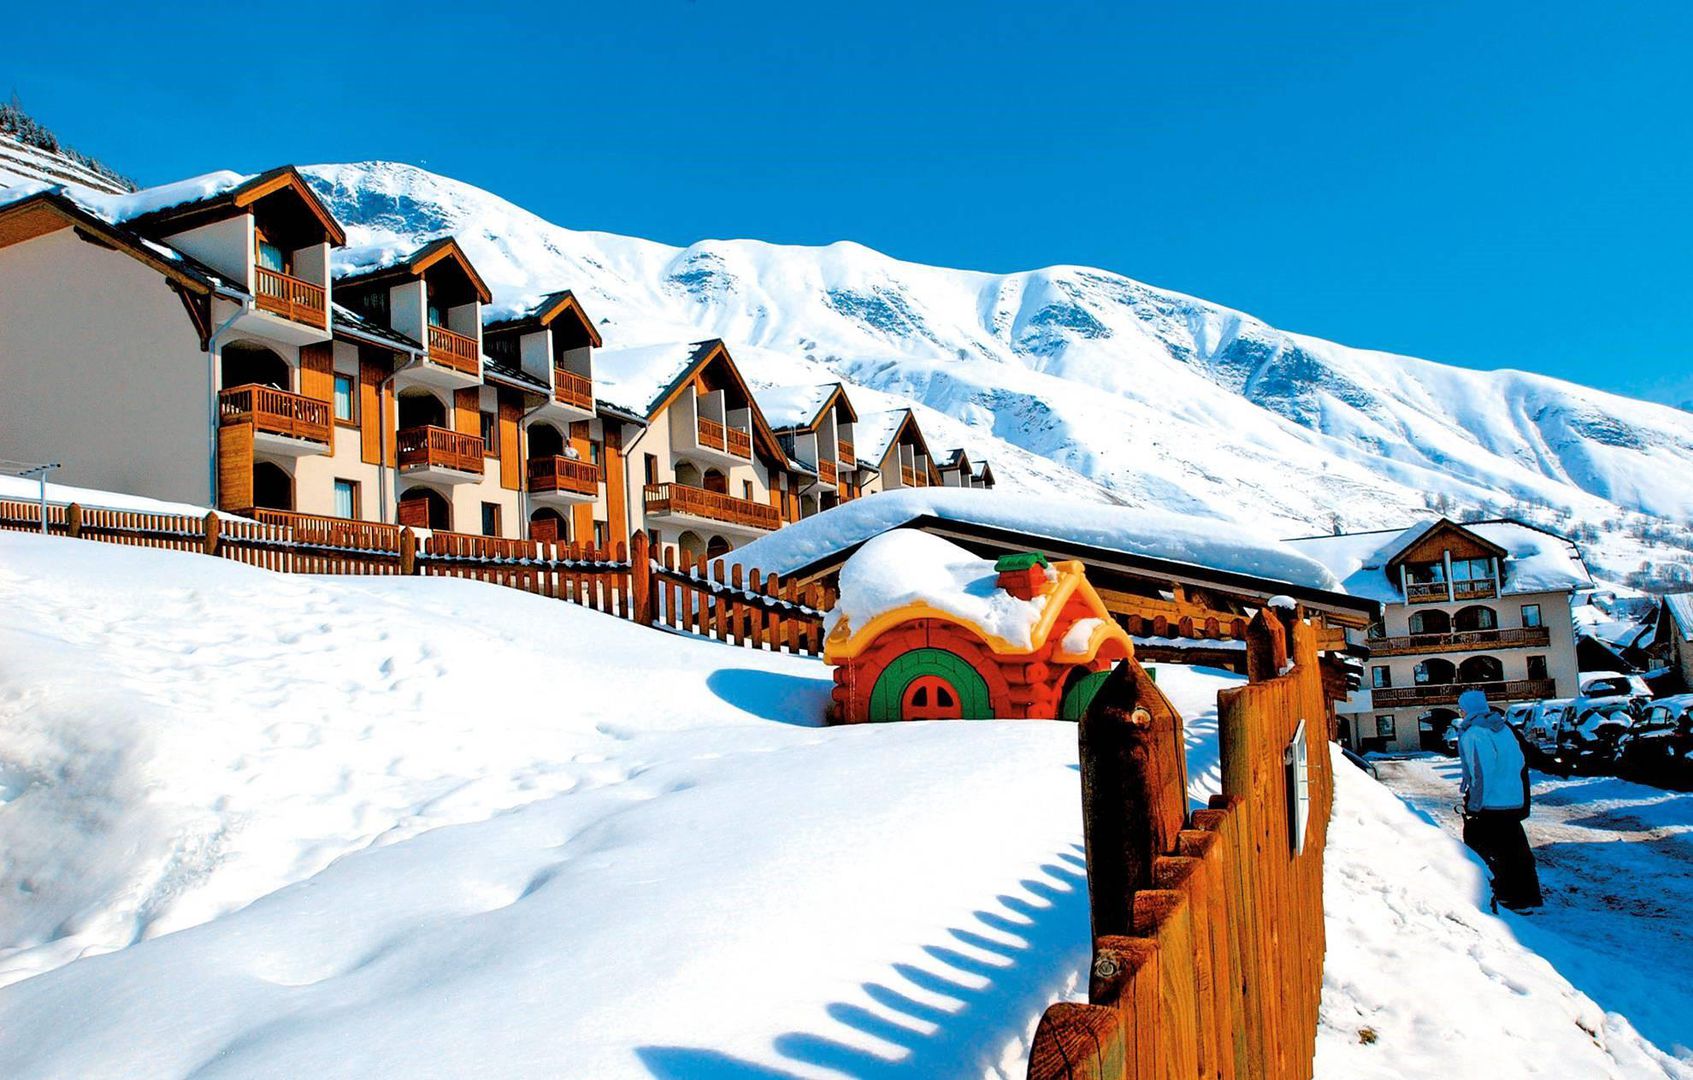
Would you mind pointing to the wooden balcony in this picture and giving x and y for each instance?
(843, 450)
(1427, 593)
(826, 472)
(431, 449)
(573, 389)
(563, 476)
(1527, 637)
(276, 412)
(454, 350)
(740, 443)
(1483, 589)
(710, 505)
(1447, 693)
(907, 476)
(290, 297)
(727, 440)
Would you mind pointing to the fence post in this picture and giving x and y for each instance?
(212, 529)
(1134, 792)
(408, 551)
(640, 579)
(1266, 647)
(73, 520)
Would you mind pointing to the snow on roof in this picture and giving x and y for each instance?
(117, 209)
(792, 406)
(1537, 561)
(1680, 608)
(905, 567)
(638, 377)
(351, 261)
(1205, 542)
(874, 431)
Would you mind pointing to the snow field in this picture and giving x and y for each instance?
(255, 825)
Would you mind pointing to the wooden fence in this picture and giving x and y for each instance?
(1207, 925)
(699, 596)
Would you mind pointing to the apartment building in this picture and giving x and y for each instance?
(709, 472)
(957, 470)
(893, 445)
(186, 343)
(816, 426)
(1481, 605)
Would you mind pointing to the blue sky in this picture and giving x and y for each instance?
(1496, 185)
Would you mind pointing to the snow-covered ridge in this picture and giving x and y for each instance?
(1155, 397)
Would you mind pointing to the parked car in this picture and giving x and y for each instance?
(1588, 745)
(1546, 722)
(1658, 747)
(1601, 688)
(1360, 761)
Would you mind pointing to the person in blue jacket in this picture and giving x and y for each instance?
(1495, 801)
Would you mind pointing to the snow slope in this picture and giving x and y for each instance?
(1154, 396)
(254, 825)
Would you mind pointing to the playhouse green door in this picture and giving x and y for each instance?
(1080, 695)
(939, 672)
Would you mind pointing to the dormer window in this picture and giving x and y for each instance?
(437, 317)
(1472, 570)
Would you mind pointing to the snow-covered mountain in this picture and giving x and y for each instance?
(1107, 386)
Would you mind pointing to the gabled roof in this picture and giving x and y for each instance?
(983, 472)
(188, 213)
(878, 432)
(51, 210)
(365, 265)
(1532, 559)
(648, 378)
(497, 371)
(801, 408)
(955, 458)
(539, 312)
(1410, 538)
(348, 323)
(1679, 609)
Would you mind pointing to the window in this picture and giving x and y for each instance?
(346, 399)
(1472, 569)
(652, 468)
(437, 317)
(1531, 614)
(1425, 573)
(1537, 667)
(746, 490)
(599, 535)
(271, 257)
(1381, 677)
(490, 519)
(594, 452)
(346, 499)
(490, 436)
(1384, 727)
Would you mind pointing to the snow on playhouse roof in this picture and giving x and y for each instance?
(1202, 542)
(906, 574)
(1535, 561)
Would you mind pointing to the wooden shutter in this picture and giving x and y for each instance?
(617, 520)
(317, 371)
(235, 467)
(511, 456)
(467, 411)
(373, 368)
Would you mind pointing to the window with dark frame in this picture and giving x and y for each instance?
(490, 434)
(1537, 667)
(490, 519)
(346, 498)
(652, 468)
(1384, 727)
(1381, 677)
(1531, 614)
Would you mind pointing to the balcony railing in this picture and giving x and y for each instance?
(740, 442)
(1481, 589)
(908, 476)
(1425, 592)
(711, 434)
(712, 505)
(826, 472)
(1447, 693)
(431, 447)
(290, 297)
(276, 411)
(844, 450)
(730, 440)
(563, 474)
(573, 389)
(454, 350)
(1462, 641)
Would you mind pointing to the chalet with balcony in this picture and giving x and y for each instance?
(539, 359)
(243, 383)
(957, 470)
(449, 419)
(816, 427)
(1480, 605)
(706, 473)
(893, 445)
